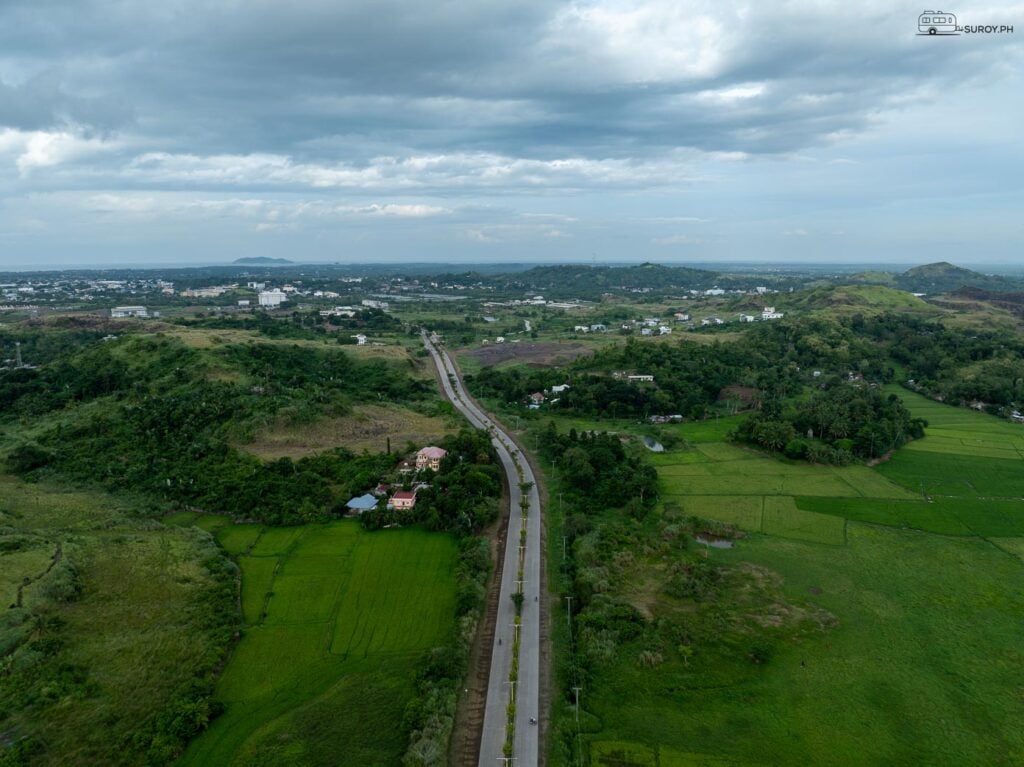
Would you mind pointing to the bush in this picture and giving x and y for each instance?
(796, 449)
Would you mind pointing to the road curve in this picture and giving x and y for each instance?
(525, 744)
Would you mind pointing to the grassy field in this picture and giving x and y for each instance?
(889, 597)
(122, 615)
(368, 427)
(337, 620)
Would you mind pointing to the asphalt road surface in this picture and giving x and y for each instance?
(525, 744)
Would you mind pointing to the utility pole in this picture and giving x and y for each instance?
(569, 616)
(577, 691)
(512, 684)
(17, 354)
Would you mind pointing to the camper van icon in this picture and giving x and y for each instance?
(936, 23)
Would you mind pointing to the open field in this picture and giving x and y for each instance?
(368, 427)
(122, 614)
(530, 353)
(920, 618)
(918, 562)
(337, 622)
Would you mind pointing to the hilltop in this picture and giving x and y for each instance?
(859, 297)
(262, 261)
(944, 277)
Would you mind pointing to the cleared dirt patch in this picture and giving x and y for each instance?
(540, 354)
(368, 427)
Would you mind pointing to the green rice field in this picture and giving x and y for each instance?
(337, 621)
(919, 562)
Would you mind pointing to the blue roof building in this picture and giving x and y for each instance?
(362, 503)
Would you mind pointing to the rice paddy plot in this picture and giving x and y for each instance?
(743, 511)
(348, 617)
(716, 430)
(678, 458)
(915, 514)
(276, 541)
(938, 474)
(395, 603)
(237, 539)
(783, 518)
(257, 577)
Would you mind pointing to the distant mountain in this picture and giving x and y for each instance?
(261, 261)
(587, 279)
(944, 277)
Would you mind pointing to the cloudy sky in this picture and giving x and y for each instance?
(134, 131)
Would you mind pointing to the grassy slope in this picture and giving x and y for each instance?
(924, 664)
(348, 617)
(134, 659)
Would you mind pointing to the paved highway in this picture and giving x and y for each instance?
(525, 747)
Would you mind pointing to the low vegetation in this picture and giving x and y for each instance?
(88, 676)
(760, 583)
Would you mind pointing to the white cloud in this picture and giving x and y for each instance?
(43, 149)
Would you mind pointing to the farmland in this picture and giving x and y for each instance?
(863, 591)
(337, 622)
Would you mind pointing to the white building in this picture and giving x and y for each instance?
(682, 317)
(664, 330)
(272, 298)
(360, 339)
(382, 305)
(747, 318)
(769, 313)
(121, 312)
(640, 379)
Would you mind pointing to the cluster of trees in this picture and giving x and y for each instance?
(835, 425)
(463, 494)
(299, 325)
(599, 470)
(159, 425)
(960, 366)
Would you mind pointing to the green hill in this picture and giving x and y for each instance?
(944, 277)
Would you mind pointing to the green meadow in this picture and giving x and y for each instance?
(890, 597)
(113, 630)
(336, 623)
